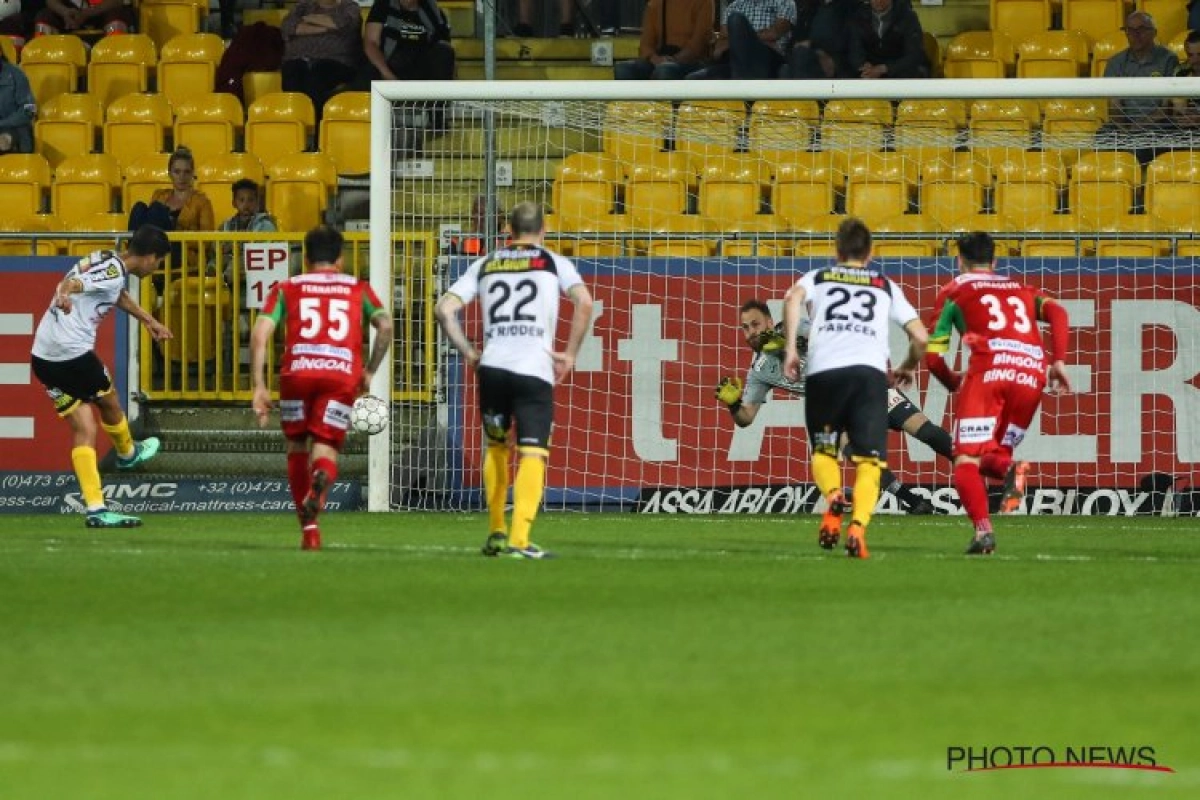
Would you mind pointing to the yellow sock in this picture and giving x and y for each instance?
(527, 494)
(83, 459)
(121, 438)
(495, 485)
(866, 489)
(827, 473)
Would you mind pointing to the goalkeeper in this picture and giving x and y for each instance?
(766, 373)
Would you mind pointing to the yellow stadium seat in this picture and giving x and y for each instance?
(1053, 54)
(850, 126)
(974, 68)
(1028, 184)
(816, 236)
(101, 222)
(53, 65)
(585, 186)
(31, 223)
(929, 130)
(1170, 17)
(913, 237)
(986, 46)
(86, 185)
(215, 176)
(780, 128)
(938, 113)
(67, 126)
(346, 132)
(953, 190)
(209, 124)
(24, 183)
(1104, 48)
(196, 310)
(658, 188)
(1188, 248)
(880, 185)
(709, 127)
(1102, 186)
(876, 112)
(121, 65)
(1070, 125)
(997, 126)
(1150, 247)
(163, 20)
(137, 124)
(299, 189)
(933, 53)
(1019, 18)
(753, 237)
(635, 130)
(1173, 188)
(805, 187)
(682, 236)
(599, 237)
(1178, 46)
(256, 85)
(278, 125)
(144, 176)
(188, 64)
(1049, 235)
(1093, 18)
(733, 187)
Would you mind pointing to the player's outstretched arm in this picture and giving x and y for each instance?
(1054, 313)
(729, 392)
(793, 303)
(581, 319)
(157, 330)
(447, 316)
(918, 341)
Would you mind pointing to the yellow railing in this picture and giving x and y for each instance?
(201, 295)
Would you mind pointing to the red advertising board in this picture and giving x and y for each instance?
(32, 438)
(639, 410)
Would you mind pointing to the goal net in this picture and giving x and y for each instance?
(681, 200)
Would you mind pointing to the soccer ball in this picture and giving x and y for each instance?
(369, 415)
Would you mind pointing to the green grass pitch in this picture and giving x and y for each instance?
(659, 657)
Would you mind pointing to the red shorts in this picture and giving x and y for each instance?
(316, 407)
(994, 414)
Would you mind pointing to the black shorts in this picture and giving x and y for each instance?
(900, 409)
(505, 397)
(849, 400)
(69, 383)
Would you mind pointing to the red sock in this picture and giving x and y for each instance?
(329, 467)
(996, 464)
(298, 477)
(972, 492)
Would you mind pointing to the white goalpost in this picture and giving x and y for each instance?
(681, 200)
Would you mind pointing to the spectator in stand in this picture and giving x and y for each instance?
(1138, 122)
(675, 39)
(250, 218)
(821, 39)
(68, 16)
(408, 40)
(17, 109)
(526, 14)
(180, 208)
(753, 37)
(12, 23)
(1193, 8)
(229, 25)
(886, 41)
(1185, 113)
(322, 48)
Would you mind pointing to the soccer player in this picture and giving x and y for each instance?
(997, 317)
(765, 338)
(65, 361)
(518, 287)
(849, 305)
(324, 313)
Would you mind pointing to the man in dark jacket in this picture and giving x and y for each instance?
(886, 41)
(17, 109)
(822, 38)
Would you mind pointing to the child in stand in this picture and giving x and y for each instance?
(247, 201)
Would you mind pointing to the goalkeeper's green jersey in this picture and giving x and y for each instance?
(766, 371)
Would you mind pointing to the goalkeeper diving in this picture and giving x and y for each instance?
(744, 398)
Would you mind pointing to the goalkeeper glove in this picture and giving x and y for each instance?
(771, 341)
(729, 391)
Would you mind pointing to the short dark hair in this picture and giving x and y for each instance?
(977, 247)
(149, 240)
(526, 219)
(853, 241)
(754, 304)
(323, 245)
(245, 183)
(1193, 37)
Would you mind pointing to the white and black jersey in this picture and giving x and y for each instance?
(849, 309)
(61, 336)
(519, 290)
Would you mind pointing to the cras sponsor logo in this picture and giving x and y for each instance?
(805, 498)
(991, 758)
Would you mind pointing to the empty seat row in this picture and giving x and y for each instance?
(1049, 54)
(1020, 18)
(209, 124)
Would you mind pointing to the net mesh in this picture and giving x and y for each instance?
(677, 211)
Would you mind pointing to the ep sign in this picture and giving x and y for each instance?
(266, 265)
